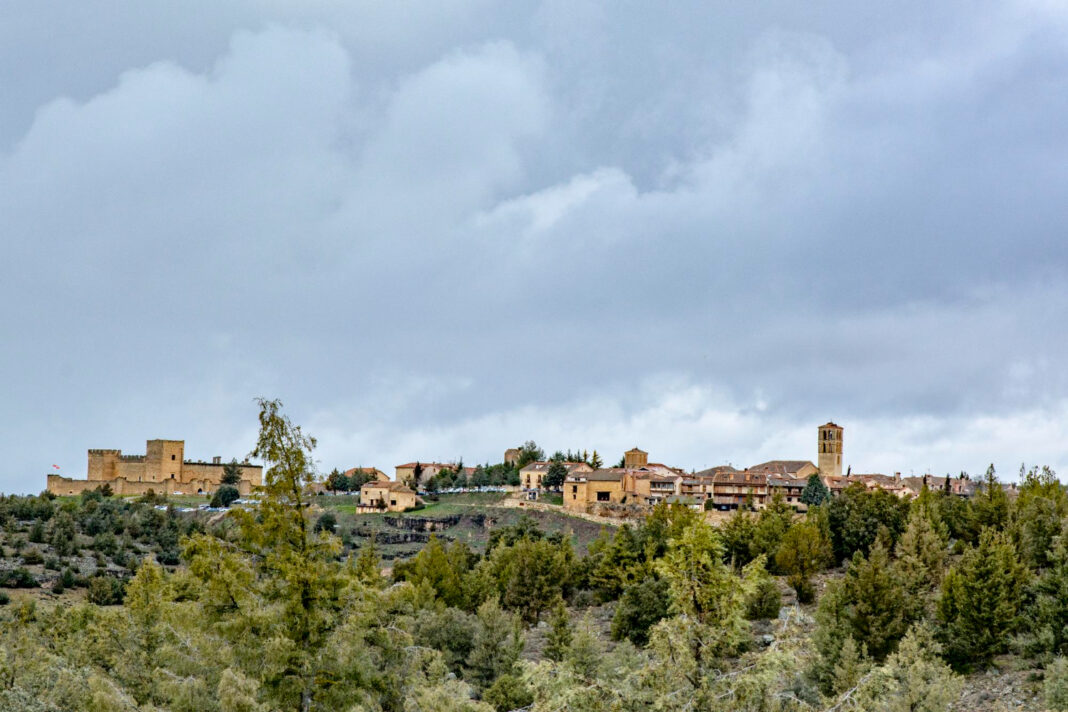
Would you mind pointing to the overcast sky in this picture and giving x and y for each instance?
(437, 230)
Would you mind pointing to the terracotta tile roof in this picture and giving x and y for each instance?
(716, 470)
(781, 467)
(746, 477)
(605, 475)
(363, 470)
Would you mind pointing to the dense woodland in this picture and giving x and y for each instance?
(867, 602)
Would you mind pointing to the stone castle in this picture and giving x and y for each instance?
(162, 469)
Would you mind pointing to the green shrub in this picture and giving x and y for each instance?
(765, 600)
(1055, 688)
(105, 590)
(32, 557)
(4, 598)
(225, 496)
(17, 578)
(68, 578)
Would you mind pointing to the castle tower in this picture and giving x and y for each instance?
(635, 459)
(830, 450)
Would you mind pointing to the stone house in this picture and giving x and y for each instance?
(732, 489)
(584, 488)
(530, 476)
(389, 496)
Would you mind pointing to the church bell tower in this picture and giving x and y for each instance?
(830, 450)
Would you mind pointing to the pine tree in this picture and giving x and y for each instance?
(232, 473)
(584, 653)
(978, 609)
(921, 553)
(558, 640)
(877, 617)
(369, 566)
(802, 553)
(815, 492)
(496, 645)
(852, 664)
(992, 504)
(595, 461)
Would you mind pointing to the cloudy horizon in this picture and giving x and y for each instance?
(436, 232)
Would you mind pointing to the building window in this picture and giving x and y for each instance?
(393, 503)
(172, 457)
(602, 496)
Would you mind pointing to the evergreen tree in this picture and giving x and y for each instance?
(879, 607)
(913, 679)
(815, 492)
(771, 526)
(558, 640)
(232, 473)
(368, 565)
(857, 515)
(641, 606)
(705, 590)
(1045, 610)
(434, 567)
(584, 652)
(528, 453)
(737, 535)
(978, 609)
(275, 573)
(496, 645)
(595, 461)
(921, 553)
(802, 553)
(991, 505)
(554, 476)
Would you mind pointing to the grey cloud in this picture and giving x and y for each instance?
(434, 230)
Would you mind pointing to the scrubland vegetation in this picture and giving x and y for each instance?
(867, 602)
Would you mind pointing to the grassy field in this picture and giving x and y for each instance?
(467, 517)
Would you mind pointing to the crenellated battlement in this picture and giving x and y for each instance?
(163, 467)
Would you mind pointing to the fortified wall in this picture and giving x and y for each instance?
(162, 469)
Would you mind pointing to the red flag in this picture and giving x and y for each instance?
(56, 466)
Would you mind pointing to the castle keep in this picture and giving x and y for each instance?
(162, 469)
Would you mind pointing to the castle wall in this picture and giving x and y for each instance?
(129, 470)
(161, 469)
(102, 464)
(211, 472)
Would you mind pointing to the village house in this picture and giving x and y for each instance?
(638, 481)
(530, 476)
(390, 496)
(789, 489)
(733, 489)
(651, 487)
(600, 486)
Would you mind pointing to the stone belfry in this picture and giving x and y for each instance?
(830, 450)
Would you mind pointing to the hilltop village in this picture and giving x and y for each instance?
(636, 485)
(581, 483)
